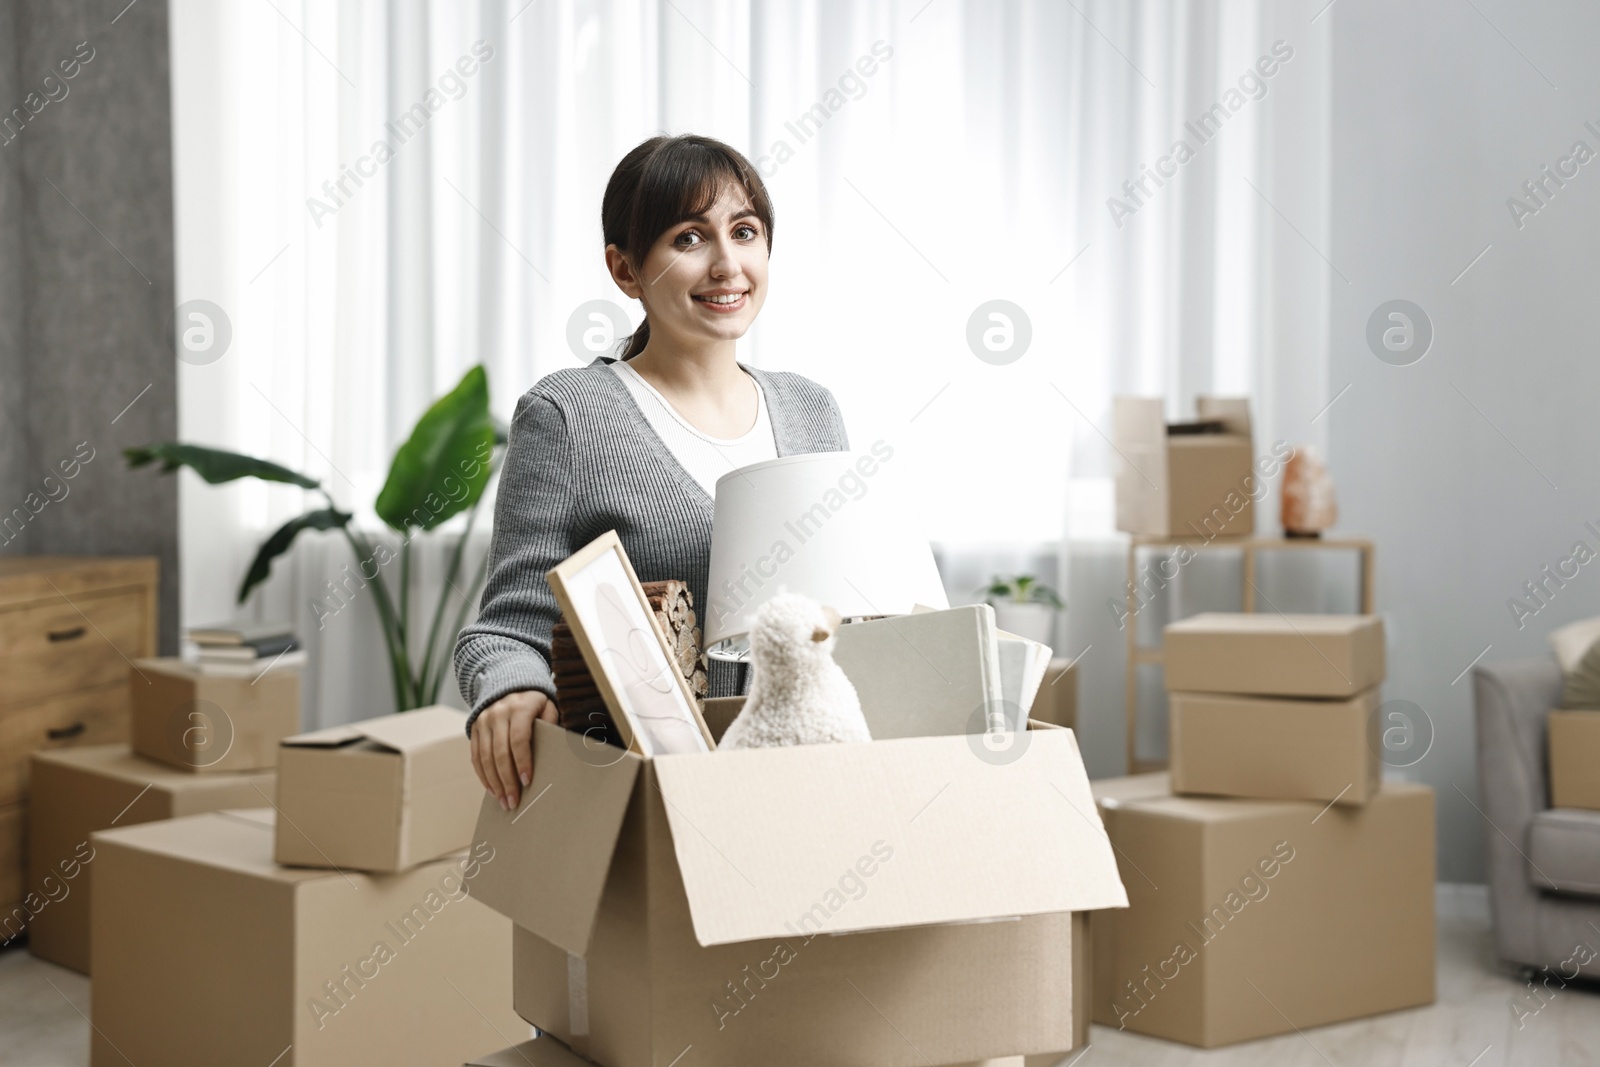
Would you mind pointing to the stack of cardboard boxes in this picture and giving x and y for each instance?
(898, 903)
(189, 755)
(1275, 882)
(1280, 707)
(332, 926)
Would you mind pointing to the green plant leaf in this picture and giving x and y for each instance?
(997, 587)
(213, 464)
(443, 467)
(282, 538)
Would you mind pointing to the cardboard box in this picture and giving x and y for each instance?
(1275, 749)
(379, 795)
(1575, 759)
(77, 791)
(208, 722)
(676, 901)
(719, 712)
(1260, 654)
(539, 991)
(206, 952)
(1270, 916)
(1186, 484)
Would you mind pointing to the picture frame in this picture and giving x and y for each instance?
(621, 640)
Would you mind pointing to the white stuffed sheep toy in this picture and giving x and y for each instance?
(798, 695)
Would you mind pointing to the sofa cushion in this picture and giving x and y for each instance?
(1573, 640)
(1564, 851)
(1580, 687)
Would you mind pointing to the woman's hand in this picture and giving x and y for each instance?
(502, 743)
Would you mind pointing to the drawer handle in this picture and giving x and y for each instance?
(62, 733)
(67, 635)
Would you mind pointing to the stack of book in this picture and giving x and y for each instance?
(941, 672)
(246, 649)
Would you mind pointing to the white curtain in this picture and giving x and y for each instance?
(924, 159)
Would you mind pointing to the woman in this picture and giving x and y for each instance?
(635, 445)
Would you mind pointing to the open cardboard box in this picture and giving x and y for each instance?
(1186, 484)
(378, 795)
(896, 903)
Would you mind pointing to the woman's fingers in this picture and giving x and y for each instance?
(503, 764)
(502, 743)
(477, 764)
(521, 733)
(483, 738)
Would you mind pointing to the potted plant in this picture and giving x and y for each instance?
(1024, 606)
(440, 471)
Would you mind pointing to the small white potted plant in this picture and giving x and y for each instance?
(1024, 606)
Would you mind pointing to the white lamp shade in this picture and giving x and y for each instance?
(835, 526)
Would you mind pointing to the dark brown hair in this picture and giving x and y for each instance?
(664, 181)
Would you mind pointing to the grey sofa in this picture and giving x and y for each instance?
(1544, 863)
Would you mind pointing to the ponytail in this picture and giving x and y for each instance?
(634, 343)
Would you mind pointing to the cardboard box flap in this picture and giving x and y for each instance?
(403, 732)
(902, 832)
(553, 853)
(1234, 411)
(411, 730)
(1140, 425)
(332, 737)
(543, 1051)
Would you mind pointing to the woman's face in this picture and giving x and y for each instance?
(705, 278)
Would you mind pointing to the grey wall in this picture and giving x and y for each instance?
(13, 366)
(1476, 466)
(86, 265)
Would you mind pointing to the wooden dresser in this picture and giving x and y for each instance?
(69, 627)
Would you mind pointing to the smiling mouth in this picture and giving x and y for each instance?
(724, 304)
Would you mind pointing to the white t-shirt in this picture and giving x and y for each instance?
(706, 458)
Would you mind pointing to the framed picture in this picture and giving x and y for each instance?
(622, 643)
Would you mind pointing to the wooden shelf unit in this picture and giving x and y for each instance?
(69, 628)
(1251, 547)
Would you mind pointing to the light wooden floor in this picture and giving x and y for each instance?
(43, 1023)
(1471, 1025)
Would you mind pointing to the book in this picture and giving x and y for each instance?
(265, 648)
(1024, 664)
(254, 667)
(925, 674)
(238, 633)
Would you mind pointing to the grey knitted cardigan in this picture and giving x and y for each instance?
(581, 460)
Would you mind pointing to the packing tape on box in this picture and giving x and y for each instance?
(577, 995)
